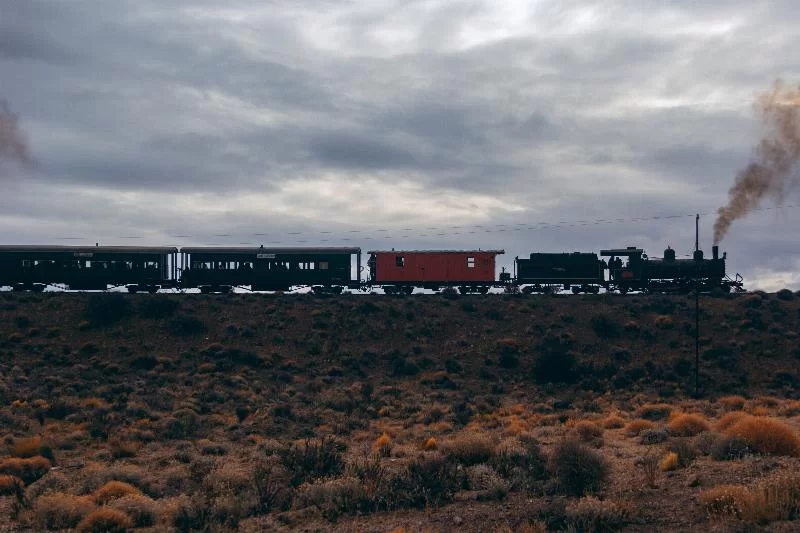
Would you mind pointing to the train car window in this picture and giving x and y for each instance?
(400, 261)
(470, 262)
(311, 265)
(323, 265)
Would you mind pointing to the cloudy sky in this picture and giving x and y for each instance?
(383, 123)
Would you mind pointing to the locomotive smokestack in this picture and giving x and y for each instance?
(715, 251)
(697, 232)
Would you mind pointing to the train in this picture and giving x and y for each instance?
(215, 269)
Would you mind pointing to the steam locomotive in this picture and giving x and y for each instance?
(333, 269)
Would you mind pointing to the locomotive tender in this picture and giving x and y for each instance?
(332, 269)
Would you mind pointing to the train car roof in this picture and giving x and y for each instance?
(436, 252)
(257, 249)
(27, 248)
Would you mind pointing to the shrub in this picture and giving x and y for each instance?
(684, 451)
(430, 444)
(142, 510)
(605, 326)
(271, 481)
(785, 294)
(650, 467)
(112, 491)
(635, 427)
(10, 485)
(590, 514)
(429, 481)
(27, 469)
(521, 463)
(732, 403)
(729, 419)
(729, 448)
(555, 366)
(669, 462)
(577, 468)
(158, 307)
(724, 501)
(587, 431)
(186, 326)
(687, 425)
(653, 436)
(32, 447)
(766, 435)
(664, 322)
(490, 485)
(105, 520)
(704, 442)
(313, 459)
(106, 309)
(469, 448)
(613, 422)
(771, 500)
(383, 445)
(334, 497)
(654, 411)
(57, 510)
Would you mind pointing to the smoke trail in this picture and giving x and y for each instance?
(773, 171)
(13, 144)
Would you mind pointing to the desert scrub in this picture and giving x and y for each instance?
(587, 431)
(724, 501)
(10, 485)
(431, 480)
(729, 419)
(32, 447)
(520, 462)
(489, 484)
(592, 514)
(112, 491)
(635, 427)
(313, 459)
(613, 422)
(105, 520)
(687, 425)
(27, 469)
(766, 435)
(732, 403)
(654, 411)
(106, 309)
(578, 469)
(142, 510)
(58, 510)
(469, 447)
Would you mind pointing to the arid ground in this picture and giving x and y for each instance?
(499, 413)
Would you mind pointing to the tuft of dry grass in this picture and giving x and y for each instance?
(142, 509)
(114, 490)
(105, 520)
(27, 469)
(469, 447)
(724, 501)
(635, 427)
(430, 444)
(587, 430)
(669, 462)
(772, 500)
(32, 447)
(687, 425)
(10, 485)
(766, 435)
(791, 409)
(732, 403)
(58, 510)
(613, 422)
(654, 411)
(730, 419)
(383, 445)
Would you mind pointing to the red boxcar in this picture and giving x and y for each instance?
(433, 268)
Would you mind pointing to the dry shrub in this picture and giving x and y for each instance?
(105, 520)
(123, 449)
(32, 447)
(488, 482)
(724, 501)
(766, 435)
(383, 445)
(664, 322)
(142, 510)
(654, 411)
(469, 447)
(10, 485)
(333, 497)
(729, 419)
(58, 510)
(592, 514)
(113, 490)
(231, 490)
(687, 425)
(613, 422)
(430, 444)
(578, 469)
(775, 499)
(650, 468)
(635, 427)
(669, 462)
(732, 403)
(587, 431)
(28, 469)
(759, 410)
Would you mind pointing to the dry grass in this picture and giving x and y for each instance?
(105, 520)
(613, 422)
(58, 510)
(587, 430)
(654, 411)
(142, 510)
(27, 469)
(724, 501)
(729, 419)
(732, 403)
(635, 427)
(10, 485)
(114, 490)
(32, 447)
(383, 445)
(469, 447)
(772, 500)
(766, 435)
(669, 462)
(687, 425)
(430, 444)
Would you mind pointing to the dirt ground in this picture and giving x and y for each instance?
(415, 413)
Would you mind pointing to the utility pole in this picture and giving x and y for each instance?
(697, 306)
